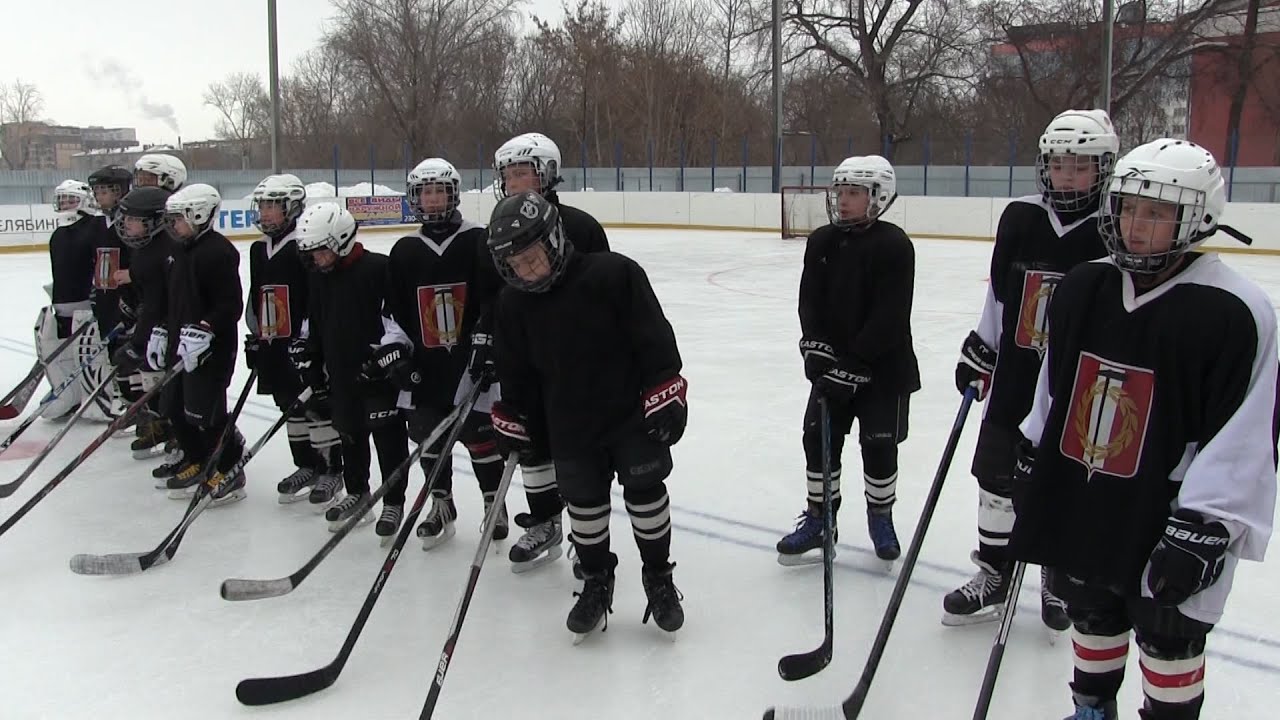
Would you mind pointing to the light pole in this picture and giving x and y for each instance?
(1108, 43)
(777, 95)
(274, 69)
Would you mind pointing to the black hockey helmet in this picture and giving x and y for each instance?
(145, 204)
(112, 176)
(518, 224)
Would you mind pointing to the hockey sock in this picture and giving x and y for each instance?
(1099, 663)
(1172, 679)
(326, 445)
(590, 526)
(650, 512)
(541, 491)
(995, 523)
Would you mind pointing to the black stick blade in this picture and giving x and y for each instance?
(803, 665)
(268, 691)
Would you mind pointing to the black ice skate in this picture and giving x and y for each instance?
(344, 509)
(1053, 611)
(979, 600)
(224, 490)
(502, 528)
(153, 433)
(389, 522)
(183, 484)
(539, 545)
(438, 527)
(297, 486)
(664, 598)
(326, 492)
(594, 604)
(170, 467)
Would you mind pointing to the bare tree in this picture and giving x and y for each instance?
(243, 110)
(20, 104)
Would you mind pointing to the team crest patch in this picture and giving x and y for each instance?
(1033, 316)
(105, 265)
(1108, 416)
(274, 318)
(440, 310)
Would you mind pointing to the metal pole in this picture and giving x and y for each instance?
(274, 62)
(777, 95)
(1108, 42)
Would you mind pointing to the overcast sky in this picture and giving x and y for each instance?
(146, 63)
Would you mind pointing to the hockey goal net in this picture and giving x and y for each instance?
(804, 209)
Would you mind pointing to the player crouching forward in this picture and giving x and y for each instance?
(855, 323)
(204, 308)
(581, 341)
(1149, 469)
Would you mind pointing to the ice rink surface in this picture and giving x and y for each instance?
(165, 645)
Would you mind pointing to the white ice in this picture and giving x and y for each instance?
(165, 645)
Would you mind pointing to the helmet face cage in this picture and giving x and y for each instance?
(558, 249)
(879, 201)
(292, 207)
(414, 188)
(169, 171)
(72, 199)
(1123, 210)
(336, 233)
(1068, 201)
(153, 225)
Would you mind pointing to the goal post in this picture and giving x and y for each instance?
(804, 209)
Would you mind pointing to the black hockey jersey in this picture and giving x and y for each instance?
(589, 348)
(110, 255)
(149, 282)
(1034, 248)
(855, 294)
(278, 290)
(71, 260)
(346, 323)
(204, 287)
(441, 284)
(1148, 403)
(582, 229)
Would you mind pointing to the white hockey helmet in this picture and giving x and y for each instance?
(1086, 133)
(198, 204)
(326, 226)
(71, 199)
(533, 149)
(285, 189)
(871, 172)
(1176, 172)
(433, 171)
(170, 173)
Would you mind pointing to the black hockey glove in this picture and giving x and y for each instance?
(842, 381)
(665, 411)
(251, 345)
(818, 356)
(127, 360)
(304, 360)
(977, 362)
(1188, 559)
(128, 312)
(394, 361)
(512, 431)
(481, 367)
(1024, 461)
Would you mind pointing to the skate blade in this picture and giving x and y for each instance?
(287, 499)
(1053, 635)
(323, 507)
(809, 557)
(231, 497)
(182, 493)
(336, 525)
(992, 614)
(550, 555)
(162, 483)
(430, 542)
(149, 453)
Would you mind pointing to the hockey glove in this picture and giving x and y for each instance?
(251, 345)
(303, 359)
(842, 381)
(127, 360)
(1024, 462)
(158, 349)
(193, 345)
(512, 431)
(665, 411)
(395, 362)
(1188, 559)
(977, 362)
(819, 357)
(481, 368)
(128, 313)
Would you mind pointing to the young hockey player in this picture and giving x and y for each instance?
(274, 313)
(346, 322)
(71, 266)
(855, 323)
(587, 360)
(1038, 240)
(531, 163)
(441, 282)
(167, 173)
(110, 294)
(200, 334)
(1149, 466)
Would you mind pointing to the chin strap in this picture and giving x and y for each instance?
(1236, 234)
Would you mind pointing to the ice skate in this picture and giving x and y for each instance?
(979, 600)
(437, 528)
(803, 546)
(341, 511)
(593, 607)
(539, 545)
(389, 522)
(297, 486)
(664, 599)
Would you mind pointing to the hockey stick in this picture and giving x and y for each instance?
(802, 665)
(852, 705)
(92, 446)
(238, 589)
(455, 629)
(265, 691)
(7, 490)
(16, 401)
(132, 563)
(998, 645)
